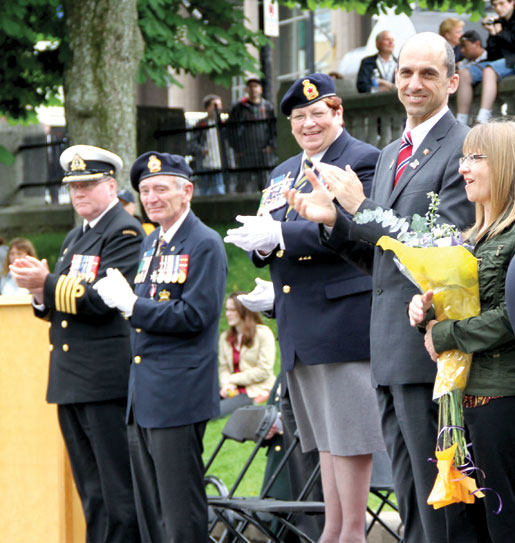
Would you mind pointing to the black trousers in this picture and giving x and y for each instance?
(96, 438)
(168, 476)
(409, 419)
(492, 432)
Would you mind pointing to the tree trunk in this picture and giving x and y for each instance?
(106, 48)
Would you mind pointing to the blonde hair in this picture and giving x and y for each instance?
(22, 244)
(496, 140)
(448, 24)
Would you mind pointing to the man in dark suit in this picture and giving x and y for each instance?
(90, 351)
(401, 369)
(174, 312)
(322, 303)
(383, 61)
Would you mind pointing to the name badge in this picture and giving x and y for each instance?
(272, 197)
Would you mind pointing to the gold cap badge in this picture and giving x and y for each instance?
(153, 164)
(310, 91)
(77, 164)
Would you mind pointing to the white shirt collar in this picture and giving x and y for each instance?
(170, 233)
(96, 220)
(422, 130)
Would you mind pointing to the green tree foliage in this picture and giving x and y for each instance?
(475, 8)
(202, 37)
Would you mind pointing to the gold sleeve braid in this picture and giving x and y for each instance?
(67, 290)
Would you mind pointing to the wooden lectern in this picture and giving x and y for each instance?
(38, 499)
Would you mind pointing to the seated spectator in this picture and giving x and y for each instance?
(246, 356)
(384, 62)
(472, 49)
(18, 248)
(500, 48)
(452, 29)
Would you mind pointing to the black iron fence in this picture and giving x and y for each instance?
(42, 173)
(226, 157)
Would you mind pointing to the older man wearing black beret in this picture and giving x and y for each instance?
(174, 312)
(322, 305)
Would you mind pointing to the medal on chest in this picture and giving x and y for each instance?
(84, 267)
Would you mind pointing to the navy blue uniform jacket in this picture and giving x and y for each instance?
(174, 375)
(90, 350)
(322, 302)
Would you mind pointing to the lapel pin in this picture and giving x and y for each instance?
(391, 164)
(425, 151)
(414, 164)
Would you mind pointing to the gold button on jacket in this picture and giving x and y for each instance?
(286, 289)
(137, 360)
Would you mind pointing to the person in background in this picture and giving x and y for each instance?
(253, 135)
(472, 50)
(129, 204)
(488, 167)
(18, 248)
(208, 149)
(246, 356)
(383, 61)
(452, 29)
(90, 352)
(500, 47)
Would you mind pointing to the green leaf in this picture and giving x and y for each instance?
(6, 157)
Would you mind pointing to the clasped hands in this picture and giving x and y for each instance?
(418, 308)
(115, 291)
(30, 273)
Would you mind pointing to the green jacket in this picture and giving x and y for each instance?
(490, 335)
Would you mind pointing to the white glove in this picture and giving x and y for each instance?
(261, 298)
(115, 290)
(257, 233)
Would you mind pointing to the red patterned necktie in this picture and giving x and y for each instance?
(404, 155)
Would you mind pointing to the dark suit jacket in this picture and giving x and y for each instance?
(397, 350)
(364, 79)
(322, 303)
(90, 354)
(174, 374)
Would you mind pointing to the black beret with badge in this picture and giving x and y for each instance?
(88, 163)
(306, 91)
(154, 163)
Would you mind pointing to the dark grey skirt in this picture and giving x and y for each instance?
(336, 408)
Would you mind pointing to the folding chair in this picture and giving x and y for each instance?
(249, 423)
(251, 509)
